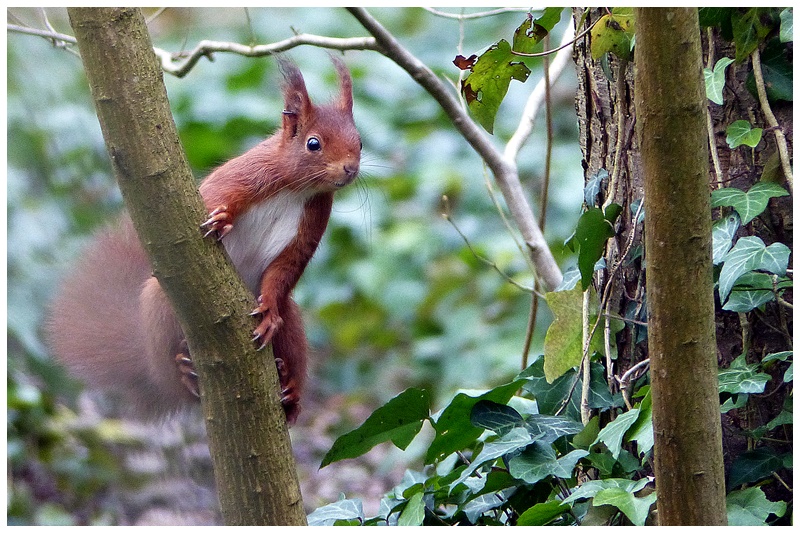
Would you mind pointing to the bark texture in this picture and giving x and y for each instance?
(671, 127)
(250, 448)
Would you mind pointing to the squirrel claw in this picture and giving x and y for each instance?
(219, 222)
(187, 373)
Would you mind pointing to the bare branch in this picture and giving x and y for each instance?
(505, 172)
(482, 14)
(180, 64)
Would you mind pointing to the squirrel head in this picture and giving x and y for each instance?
(322, 141)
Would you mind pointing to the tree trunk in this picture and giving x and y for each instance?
(671, 128)
(250, 448)
(607, 119)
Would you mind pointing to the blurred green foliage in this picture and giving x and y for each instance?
(392, 299)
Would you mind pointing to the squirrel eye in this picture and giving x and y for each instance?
(313, 144)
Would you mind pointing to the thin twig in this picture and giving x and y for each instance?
(780, 138)
(712, 144)
(563, 45)
(482, 14)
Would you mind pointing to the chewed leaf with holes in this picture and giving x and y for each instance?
(488, 81)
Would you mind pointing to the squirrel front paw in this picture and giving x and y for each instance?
(220, 222)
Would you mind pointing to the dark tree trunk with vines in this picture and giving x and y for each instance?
(607, 120)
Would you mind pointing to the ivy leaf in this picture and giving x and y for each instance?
(754, 465)
(591, 488)
(745, 256)
(495, 417)
(592, 188)
(742, 378)
(532, 31)
(336, 511)
(750, 204)
(542, 514)
(749, 29)
(399, 421)
(593, 230)
(715, 80)
(540, 460)
(787, 25)
(550, 428)
(722, 233)
(454, 431)
(563, 342)
(750, 507)
(513, 440)
(636, 509)
(614, 33)
(487, 84)
(741, 132)
(751, 290)
(612, 434)
(776, 70)
(414, 512)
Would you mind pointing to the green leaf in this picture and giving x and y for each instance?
(754, 465)
(540, 460)
(563, 342)
(722, 234)
(636, 509)
(748, 204)
(613, 33)
(333, 512)
(612, 434)
(742, 378)
(532, 31)
(749, 29)
(776, 69)
(591, 234)
(714, 16)
(641, 430)
(591, 488)
(495, 417)
(750, 507)
(414, 512)
(399, 421)
(787, 25)
(542, 514)
(751, 290)
(775, 259)
(745, 256)
(740, 133)
(715, 80)
(549, 428)
(513, 440)
(593, 185)
(454, 431)
(487, 84)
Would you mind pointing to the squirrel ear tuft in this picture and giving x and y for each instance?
(345, 84)
(297, 104)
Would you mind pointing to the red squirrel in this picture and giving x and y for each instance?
(112, 325)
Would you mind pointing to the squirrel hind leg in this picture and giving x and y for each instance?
(290, 349)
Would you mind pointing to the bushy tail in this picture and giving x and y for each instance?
(94, 324)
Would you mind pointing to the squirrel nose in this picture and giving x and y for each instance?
(351, 169)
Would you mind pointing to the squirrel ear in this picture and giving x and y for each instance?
(297, 104)
(345, 84)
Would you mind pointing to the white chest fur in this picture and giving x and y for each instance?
(262, 233)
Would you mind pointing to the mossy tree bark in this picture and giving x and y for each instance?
(250, 447)
(671, 128)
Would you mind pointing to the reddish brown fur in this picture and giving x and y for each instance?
(111, 323)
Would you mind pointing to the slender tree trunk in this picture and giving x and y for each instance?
(671, 127)
(253, 462)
